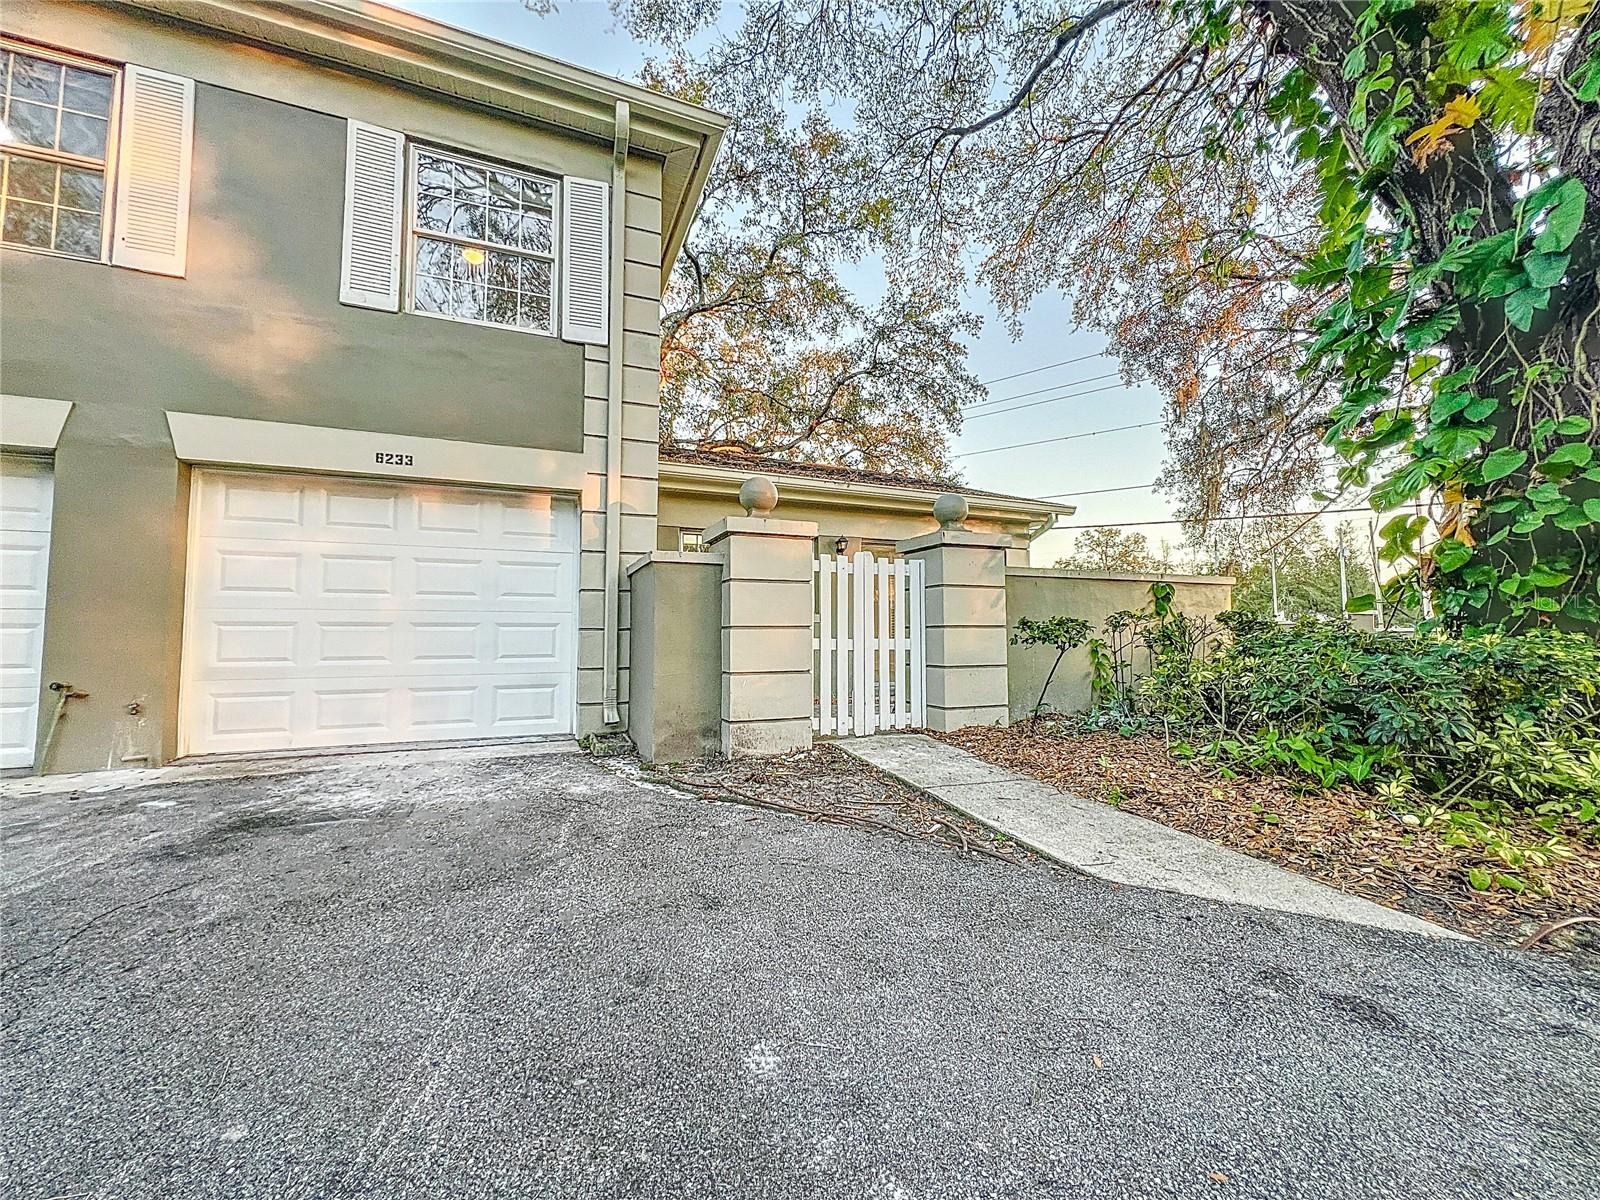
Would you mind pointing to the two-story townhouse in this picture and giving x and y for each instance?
(329, 352)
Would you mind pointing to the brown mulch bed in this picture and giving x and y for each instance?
(1338, 836)
(828, 786)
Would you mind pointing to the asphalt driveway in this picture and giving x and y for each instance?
(526, 977)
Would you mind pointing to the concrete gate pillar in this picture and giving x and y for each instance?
(767, 610)
(964, 577)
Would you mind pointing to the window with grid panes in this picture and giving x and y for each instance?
(53, 151)
(483, 243)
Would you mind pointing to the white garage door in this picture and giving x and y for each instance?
(25, 491)
(335, 612)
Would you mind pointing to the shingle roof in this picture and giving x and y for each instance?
(734, 460)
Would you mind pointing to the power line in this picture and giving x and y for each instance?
(1071, 437)
(1110, 387)
(1064, 362)
(1053, 387)
(1314, 512)
(1132, 487)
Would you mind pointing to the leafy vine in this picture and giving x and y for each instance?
(1459, 380)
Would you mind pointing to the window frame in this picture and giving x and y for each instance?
(107, 168)
(408, 257)
(697, 536)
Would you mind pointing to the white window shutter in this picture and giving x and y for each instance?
(586, 260)
(374, 194)
(155, 146)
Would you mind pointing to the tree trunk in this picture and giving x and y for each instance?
(1424, 198)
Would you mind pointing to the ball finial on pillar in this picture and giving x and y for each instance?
(950, 510)
(759, 496)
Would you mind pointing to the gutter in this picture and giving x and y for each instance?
(610, 712)
(1045, 527)
(672, 239)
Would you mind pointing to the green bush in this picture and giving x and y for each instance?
(1488, 720)
(1060, 634)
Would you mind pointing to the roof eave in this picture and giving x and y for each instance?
(419, 52)
(698, 478)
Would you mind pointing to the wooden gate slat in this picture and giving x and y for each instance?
(825, 719)
(841, 637)
(919, 653)
(863, 652)
(883, 636)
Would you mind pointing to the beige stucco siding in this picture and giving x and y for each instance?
(641, 381)
(840, 518)
(255, 330)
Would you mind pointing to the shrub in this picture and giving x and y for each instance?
(1059, 633)
(1488, 720)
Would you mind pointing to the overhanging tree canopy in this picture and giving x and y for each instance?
(1365, 226)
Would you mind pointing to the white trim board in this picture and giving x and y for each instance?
(32, 422)
(277, 445)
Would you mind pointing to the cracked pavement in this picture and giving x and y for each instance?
(526, 976)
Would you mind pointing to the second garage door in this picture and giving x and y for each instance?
(25, 490)
(332, 612)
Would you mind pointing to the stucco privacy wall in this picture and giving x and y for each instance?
(256, 330)
(1040, 593)
(677, 663)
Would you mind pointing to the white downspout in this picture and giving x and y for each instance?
(1034, 535)
(610, 712)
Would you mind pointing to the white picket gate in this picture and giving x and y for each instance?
(868, 638)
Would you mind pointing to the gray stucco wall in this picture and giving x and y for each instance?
(1040, 593)
(677, 658)
(256, 330)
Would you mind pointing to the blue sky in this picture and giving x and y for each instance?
(585, 33)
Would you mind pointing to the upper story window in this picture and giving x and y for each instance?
(53, 152)
(483, 243)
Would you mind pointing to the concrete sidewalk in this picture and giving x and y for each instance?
(1118, 847)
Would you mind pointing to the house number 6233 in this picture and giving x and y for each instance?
(387, 458)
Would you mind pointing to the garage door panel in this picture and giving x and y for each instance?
(19, 723)
(249, 575)
(250, 645)
(21, 649)
(356, 644)
(370, 577)
(237, 573)
(29, 486)
(252, 505)
(520, 707)
(360, 513)
(24, 566)
(306, 508)
(301, 714)
(334, 641)
(532, 643)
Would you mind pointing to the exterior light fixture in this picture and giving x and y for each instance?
(840, 545)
